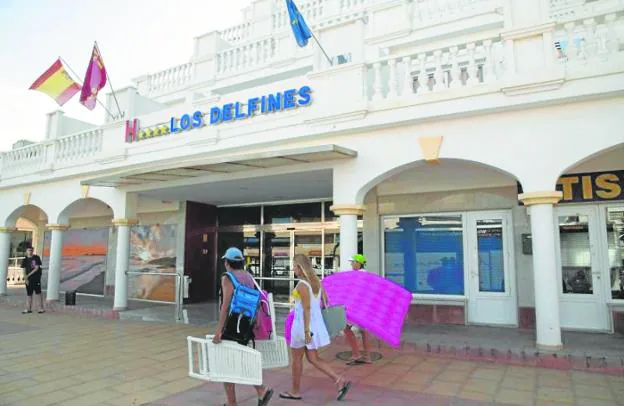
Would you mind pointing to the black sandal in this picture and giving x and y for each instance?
(26, 311)
(264, 400)
(289, 396)
(343, 391)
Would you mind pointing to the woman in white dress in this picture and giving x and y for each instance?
(308, 332)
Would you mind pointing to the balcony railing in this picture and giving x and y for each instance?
(561, 10)
(66, 151)
(586, 40)
(245, 57)
(429, 12)
(455, 67)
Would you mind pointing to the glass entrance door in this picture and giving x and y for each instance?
(492, 294)
(581, 301)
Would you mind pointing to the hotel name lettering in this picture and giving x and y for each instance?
(592, 187)
(261, 105)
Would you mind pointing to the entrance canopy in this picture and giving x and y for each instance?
(198, 167)
(182, 180)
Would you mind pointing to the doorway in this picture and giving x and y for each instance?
(581, 297)
(492, 298)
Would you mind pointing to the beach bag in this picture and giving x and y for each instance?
(264, 321)
(239, 325)
(335, 318)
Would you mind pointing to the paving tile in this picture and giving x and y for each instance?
(457, 376)
(585, 378)
(515, 397)
(52, 398)
(483, 397)
(138, 385)
(524, 384)
(11, 397)
(555, 381)
(595, 402)
(94, 386)
(138, 398)
(462, 366)
(593, 392)
(93, 398)
(443, 388)
(179, 385)
(487, 386)
(490, 374)
(555, 394)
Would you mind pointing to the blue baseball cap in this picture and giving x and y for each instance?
(233, 254)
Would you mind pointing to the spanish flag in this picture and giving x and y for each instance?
(56, 83)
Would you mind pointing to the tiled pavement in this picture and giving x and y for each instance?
(69, 360)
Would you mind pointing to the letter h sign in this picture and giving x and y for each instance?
(132, 130)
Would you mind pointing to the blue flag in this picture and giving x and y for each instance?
(298, 24)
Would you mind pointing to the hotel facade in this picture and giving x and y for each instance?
(473, 150)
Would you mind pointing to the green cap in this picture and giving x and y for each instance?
(359, 258)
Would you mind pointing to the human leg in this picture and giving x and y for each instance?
(297, 371)
(352, 341)
(323, 366)
(230, 393)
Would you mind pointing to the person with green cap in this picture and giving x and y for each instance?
(358, 261)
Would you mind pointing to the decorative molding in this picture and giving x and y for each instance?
(329, 71)
(337, 118)
(430, 147)
(7, 229)
(125, 222)
(526, 32)
(84, 191)
(532, 198)
(27, 198)
(534, 85)
(57, 227)
(348, 209)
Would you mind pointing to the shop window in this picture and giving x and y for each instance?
(615, 240)
(20, 240)
(425, 253)
(239, 216)
(293, 213)
(575, 255)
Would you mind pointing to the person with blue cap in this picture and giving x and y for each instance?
(234, 262)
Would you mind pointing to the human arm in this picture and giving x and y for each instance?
(227, 289)
(36, 267)
(304, 293)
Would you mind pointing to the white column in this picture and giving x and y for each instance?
(348, 231)
(5, 245)
(548, 327)
(121, 263)
(54, 267)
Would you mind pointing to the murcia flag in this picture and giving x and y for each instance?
(56, 83)
(94, 81)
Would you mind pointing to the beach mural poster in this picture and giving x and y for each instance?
(83, 263)
(152, 249)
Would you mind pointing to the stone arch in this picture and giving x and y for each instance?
(614, 156)
(368, 184)
(28, 211)
(88, 205)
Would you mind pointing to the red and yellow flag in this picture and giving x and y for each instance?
(56, 83)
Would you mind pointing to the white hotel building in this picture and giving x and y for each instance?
(473, 149)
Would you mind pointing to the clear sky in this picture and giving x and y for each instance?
(135, 37)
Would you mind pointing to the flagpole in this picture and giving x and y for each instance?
(109, 81)
(319, 44)
(81, 84)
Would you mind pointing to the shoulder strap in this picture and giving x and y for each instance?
(233, 279)
(308, 285)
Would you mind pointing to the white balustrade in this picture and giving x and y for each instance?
(563, 10)
(25, 160)
(597, 38)
(170, 79)
(237, 34)
(78, 147)
(311, 11)
(459, 66)
(251, 55)
(427, 12)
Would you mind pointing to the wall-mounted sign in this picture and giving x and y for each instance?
(272, 103)
(590, 187)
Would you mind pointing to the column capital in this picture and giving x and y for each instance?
(59, 227)
(532, 198)
(346, 209)
(125, 222)
(7, 229)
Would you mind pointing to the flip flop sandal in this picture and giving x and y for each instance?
(343, 391)
(358, 361)
(26, 311)
(266, 398)
(289, 396)
(41, 311)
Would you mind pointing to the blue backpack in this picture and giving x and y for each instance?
(242, 313)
